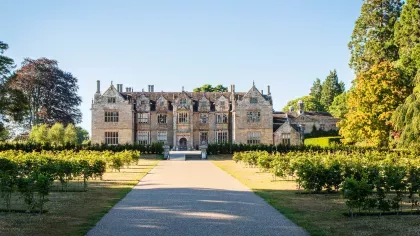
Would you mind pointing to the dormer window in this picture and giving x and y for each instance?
(162, 104)
(143, 102)
(203, 104)
(111, 100)
(253, 100)
(183, 101)
(222, 103)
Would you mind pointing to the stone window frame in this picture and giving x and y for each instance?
(143, 137)
(204, 137)
(111, 116)
(111, 138)
(183, 101)
(204, 118)
(253, 100)
(222, 118)
(322, 127)
(221, 136)
(254, 137)
(162, 118)
(285, 139)
(143, 118)
(162, 136)
(253, 116)
(183, 118)
(162, 104)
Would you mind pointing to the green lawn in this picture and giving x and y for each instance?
(319, 214)
(74, 213)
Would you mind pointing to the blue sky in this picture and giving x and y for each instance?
(285, 44)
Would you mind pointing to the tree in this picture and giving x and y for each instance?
(56, 134)
(70, 135)
(51, 92)
(338, 107)
(316, 90)
(330, 89)
(407, 37)
(82, 135)
(375, 95)
(310, 104)
(372, 40)
(209, 88)
(39, 134)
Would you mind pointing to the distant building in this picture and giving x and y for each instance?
(183, 120)
(290, 127)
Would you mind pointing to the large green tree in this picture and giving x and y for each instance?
(210, 88)
(406, 118)
(330, 89)
(338, 107)
(372, 100)
(310, 104)
(372, 40)
(316, 90)
(51, 92)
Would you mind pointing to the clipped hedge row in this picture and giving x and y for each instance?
(33, 173)
(369, 181)
(323, 142)
(154, 148)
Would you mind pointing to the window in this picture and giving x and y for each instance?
(203, 104)
(222, 103)
(285, 139)
(253, 116)
(254, 138)
(322, 126)
(183, 118)
(162, 103)
(111, 100)
(253, 100)
(162, 136)
(143, 102)
(221, 136)
(203, 138)
(221, 118)
(183, 101)
(204, 118)
(143, 137)
(111, 116)
(111, 138)
(143, 118)
(162, 118)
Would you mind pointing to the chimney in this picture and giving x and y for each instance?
(268, 90)
(153, 88)
(119, 88)
(98, 86)
(300, 107)
(291, 109)
(262, 92)
(126, 89)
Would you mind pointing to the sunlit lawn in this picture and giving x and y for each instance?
(319, 214)
(74, 213)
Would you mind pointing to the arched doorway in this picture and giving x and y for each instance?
(182, 144)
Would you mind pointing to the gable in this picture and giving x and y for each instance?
(110, 93)
(222, 104)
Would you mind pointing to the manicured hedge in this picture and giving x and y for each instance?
(323, 142)
(372, 181)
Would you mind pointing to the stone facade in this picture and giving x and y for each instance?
(183, 120)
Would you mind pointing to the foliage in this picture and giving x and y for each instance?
(32, 174)
(369, 180)
(371, 102)
(330, 89)
(51, 92)
(323, 142)
(70, 135)
(338, 107)
(56, 134)
(316, 90)
(82, 135)
(372, 41)
(310, 104)
(210, 88)
(39, 134)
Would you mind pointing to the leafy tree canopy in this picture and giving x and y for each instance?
(309, 102)
(330, 89)
(372, 40)
(82, 135)
(338, 107)
(51, 92)
(371, 102)
(210, 88)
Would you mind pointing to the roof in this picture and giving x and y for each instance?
(172, 96)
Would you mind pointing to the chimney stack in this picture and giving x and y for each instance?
(268, 90)
(151, 88)
(262, 92)
(232, 88)
(98, 86)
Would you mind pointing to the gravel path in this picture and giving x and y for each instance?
(192, 198)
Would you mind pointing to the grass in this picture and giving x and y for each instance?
(319, 214)
(75, 213)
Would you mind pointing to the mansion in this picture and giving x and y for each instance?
(186, 120)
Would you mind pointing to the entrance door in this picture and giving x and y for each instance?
(183, 144)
